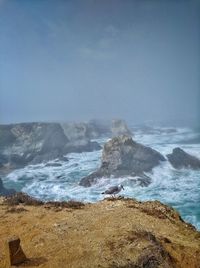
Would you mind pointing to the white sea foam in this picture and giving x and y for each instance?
(178, 188)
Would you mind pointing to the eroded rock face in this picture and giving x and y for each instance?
(180, 159)
(124, 157)
(29, 143)
(33, 143)
(4, 191)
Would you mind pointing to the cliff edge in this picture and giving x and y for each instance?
(110, 233)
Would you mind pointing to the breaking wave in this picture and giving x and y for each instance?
(178, 188)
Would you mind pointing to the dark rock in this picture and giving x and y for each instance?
(63, 158)
(15, 253)
(180, 159)
(53, 165)
(124, 157)
(33, 143)
(4, 191)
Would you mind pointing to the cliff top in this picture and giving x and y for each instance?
(111, 233)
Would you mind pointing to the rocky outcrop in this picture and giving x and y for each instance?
(32, 143)
(124, 157)
(114, 233)
(4, 191)
(29, 143)
(180, 159)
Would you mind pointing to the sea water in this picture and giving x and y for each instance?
(177, 188)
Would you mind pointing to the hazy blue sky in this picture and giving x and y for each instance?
(81, 59)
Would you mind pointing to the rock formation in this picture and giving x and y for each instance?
(180, 159)
(4, 191)
(32, 143)
(111, 233)
(124, 157)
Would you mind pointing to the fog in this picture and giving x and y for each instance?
(76, 60)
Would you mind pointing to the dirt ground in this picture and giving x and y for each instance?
(112, 233)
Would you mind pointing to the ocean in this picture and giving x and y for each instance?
(177, 188)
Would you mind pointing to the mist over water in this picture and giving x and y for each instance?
(177, 188)
(77, 60)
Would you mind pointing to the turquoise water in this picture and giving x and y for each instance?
(178, 188)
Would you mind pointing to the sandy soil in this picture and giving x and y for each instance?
(111, 233)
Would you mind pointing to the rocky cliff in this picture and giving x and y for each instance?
(32, 143)
(112, 233)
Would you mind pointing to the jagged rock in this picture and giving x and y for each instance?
(180, 159)
(15, 253)
(124, 157)
(4, 191)
(33, 143)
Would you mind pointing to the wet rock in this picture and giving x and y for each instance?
(15, 253)
(34, 143)
(180, 159)
(31, 143)
(124, 157)
(4, 191)
(53, 165)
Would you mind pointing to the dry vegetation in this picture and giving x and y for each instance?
(114, 233)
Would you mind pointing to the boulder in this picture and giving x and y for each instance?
(15, 254)
(124, 157)
(180, 159)
(4, 191)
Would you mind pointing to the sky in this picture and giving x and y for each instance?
(75, 60)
